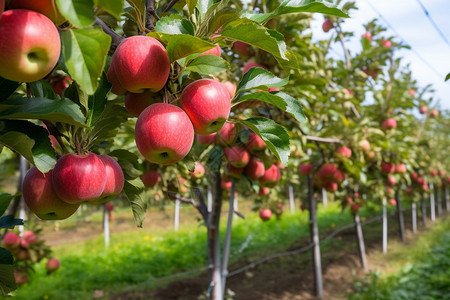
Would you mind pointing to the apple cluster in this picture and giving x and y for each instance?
(57, 194)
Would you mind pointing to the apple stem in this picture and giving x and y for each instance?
(116, 39)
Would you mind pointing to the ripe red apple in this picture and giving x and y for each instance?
(302, 207)
(433, 173)
(151, 178)
(59, 84)
(164, 133)
(29, 236)
(420, 180)
(400, 168)
(21, 277)
(263, 191)
(412, 92)
(327, 25)
(213, 51)
(11, 241)
(227, 135)
(331, 186)
(208, 139)
(2, 7)
(231, 87)
(389, 124)
(393, 202)
(45, 7)
(355, 207)
(243, 49)
(136, 103)
(252, 64)
(305, 169)
(344, 151)
(226, 185)
(348, 91)
(423, 109)
(29, 45)
(237, 156)
(356, 195)
(434, 113)
(255, 169)
(199, 170)
(271, 177)
(79, 178)
(41, 198)
(207, 103)
(255, 143)
(234, 172)
(114, 180)
(139, 63)
(328, 173)
(364, 145)
(387, 168)
(52, 265)
(349, 200)
(408, 191)
(391, 181)
(109, 207)
(367, 35)
(265, 214)
(387, 44)
(371, 154)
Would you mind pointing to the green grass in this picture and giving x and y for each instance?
(425, 271)
(137, 258)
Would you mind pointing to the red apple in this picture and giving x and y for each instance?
(423, 109)
(213, 51)
(271, 177)
(348, 91)
(255, 169)
(151, 178)
(408, 191)
(331, 186)
(164, 133)
(11, 241)
(389, 124)
(420, 180)
(251, 64)
(79, 178)
(109, 207)
(199, 170)
(231, 87)
(387, 44)
(139, 63)
(302, 207)
(434, 113)
(59, 84)
(41, 198)
(255, 143)
(227, 135)
(263, 191)
(52, 265)
(114, 180)
(391, 181)
(45, 7)
(265, 214)
(207, 103)
(371, 154)
(21, 277)
(355, 207)
(226, 185)
(367, 35)
(328, 173)
(2, 7)
(305, 169)
(29, 236)
(400, 168)
(349, 200)
(237, 156)
(327, 25)
(244, 50)
(234, 172)
(412, 92)
(387, 168)
(208, 139)
(29, 45)
(356, 195)
(393, 202)
(364, 145)
(136, 103)
(344, 151)
(433, 173)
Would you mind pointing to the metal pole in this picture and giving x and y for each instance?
(385, 226)
(235, 203)
(209, 196)
(106, 225)
(424, 211)
(447, 200)
(291, 198)
(401, 222)
(439, 201)
(361, 245)
(324, 198)
(176, 224)
(414, 217)
(432, 206)
(226, 247)
(23, 166)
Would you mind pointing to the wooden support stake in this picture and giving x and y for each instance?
(414, 217)
(401, 222)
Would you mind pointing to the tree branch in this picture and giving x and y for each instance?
(170, 5)
(150, 14)
(202, 209)
(116, 39)
(346, 53)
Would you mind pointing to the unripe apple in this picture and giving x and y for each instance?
(252, 64)
(371, 154)
(207, 103)
(11, 241)
(199, 170)
(364, 145)
(255, 169)
(151, 178)
(164, 133)
(231, 88)
(21, 277)
(331, 186)
(29, 45)
(237, 156)
(305, 169)
(255, 143)
(79, 178)
(344, 151)
(393, 202)
(434, 113)
(114, 180)
(208, 139)
(243, 49)
(400, 168)
(52, 265)
(265, 214)
(41, 198)
(389, 124)
(263, 191)
(412, 92)
(213, 51)
(367, 35)
(45, 7)
(387, 44)
(327, 25)
(139, 63)
(227, 134)
(271, 177)
(136, 103)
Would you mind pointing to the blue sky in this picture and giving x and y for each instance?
(410, 22)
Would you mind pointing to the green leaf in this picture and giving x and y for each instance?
(9, 221)
(281, 100)
(114, 7)
(214, 159)
(7, 88)
(5, 199)
(174, 24)
(203, 6)
(218, 14)
(139, 5)
(98, 101)
(128, 161)
(79, 12)
(259, 78)
(42, 89)
(30, 141)
(7, 279)
(107, 124)
(208, 64)
(447, 77)
(84, 52)
(64, 110)
(252, 33)
(191, 5)
(135, 192)
(274, 135)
